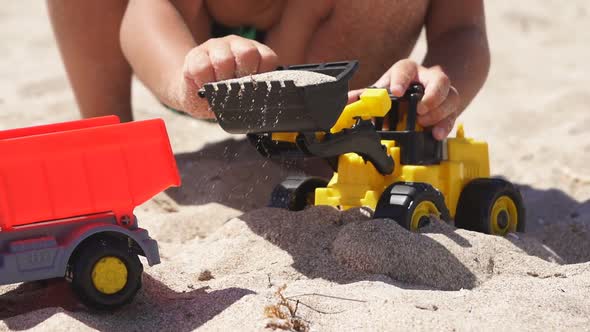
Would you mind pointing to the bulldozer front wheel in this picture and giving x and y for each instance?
(296, 192)
(492, 206)
(412, 205)
(422, 214)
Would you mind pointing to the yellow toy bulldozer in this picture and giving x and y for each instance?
(382, 159)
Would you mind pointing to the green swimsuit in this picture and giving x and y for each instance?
(218, 30)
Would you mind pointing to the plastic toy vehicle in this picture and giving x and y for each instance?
(382, 159)
(67, 194)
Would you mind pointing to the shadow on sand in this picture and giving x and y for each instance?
(156, 307)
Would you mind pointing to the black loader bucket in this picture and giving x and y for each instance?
(254, 107)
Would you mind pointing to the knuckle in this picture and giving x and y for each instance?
(412, 67)
(408, 63)
(404, 71)
(199, 68)
(208, 43)
(223, 61)
(444, 80)
(269, 57)
(443, 113)
(230, 37)
(446, 109)
(405, 77)
(437, 116)
(430, 103)
(247, 51)
(216, 40)
(192, 54)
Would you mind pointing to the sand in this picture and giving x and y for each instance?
(225, 255)
(299, 77)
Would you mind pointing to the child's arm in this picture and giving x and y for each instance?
(455, 66)
(165, 56)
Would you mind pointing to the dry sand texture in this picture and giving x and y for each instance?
(224, 255)
(299, 77)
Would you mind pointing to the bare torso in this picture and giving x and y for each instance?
(376, 32)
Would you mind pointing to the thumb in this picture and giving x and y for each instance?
(401, 75)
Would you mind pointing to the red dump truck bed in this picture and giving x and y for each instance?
(82, 167)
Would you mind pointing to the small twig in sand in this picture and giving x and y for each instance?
(292, 298)
(316, 310)
(283, 315)
(431, 307)
(328, 296)
(269, 282)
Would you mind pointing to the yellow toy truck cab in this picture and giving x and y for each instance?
(381, 158)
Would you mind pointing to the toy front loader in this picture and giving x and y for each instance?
(283, 119)
(382, 159)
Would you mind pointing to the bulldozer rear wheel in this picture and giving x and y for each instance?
(491, 206)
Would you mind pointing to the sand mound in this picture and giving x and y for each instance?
(339, 246)
(440, 257)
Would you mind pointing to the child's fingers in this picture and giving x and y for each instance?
(354, 95)
(443, 128)
(246, 55)
(191, 103)
(198, 67)
(437, 85)
(268, 58)
(383, 81)
(444, 110)
(222, 59)
(401, 75)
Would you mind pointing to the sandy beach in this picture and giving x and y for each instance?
(226, 256)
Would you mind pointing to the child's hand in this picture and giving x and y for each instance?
(440, 105)
(220, 59)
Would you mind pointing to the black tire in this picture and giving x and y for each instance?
(84, 264)
(476, 205)
(296, 192)
(400, 200)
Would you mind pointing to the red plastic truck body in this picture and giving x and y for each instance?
(82, 168)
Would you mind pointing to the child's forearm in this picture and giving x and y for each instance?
(155, 40)
(464, 56)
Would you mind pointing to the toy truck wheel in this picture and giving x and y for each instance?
(411, 205)
(296, 192)
(492, 206)
(106, 274)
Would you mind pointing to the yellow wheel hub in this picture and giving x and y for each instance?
(422, 214)
(109, 275)
(504, 216)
